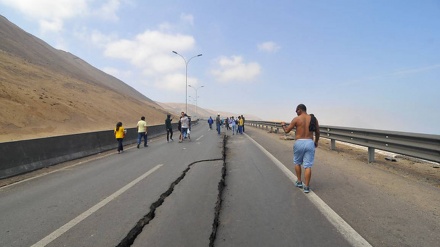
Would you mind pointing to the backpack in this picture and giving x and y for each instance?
(312, 126)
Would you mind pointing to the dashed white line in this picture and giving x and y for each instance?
(354, 238)
(54, 235)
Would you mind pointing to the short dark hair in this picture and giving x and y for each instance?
(142, 118)
(302, 107)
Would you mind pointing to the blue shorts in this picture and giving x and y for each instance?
(304, 152)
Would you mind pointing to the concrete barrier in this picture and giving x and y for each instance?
(28, 155)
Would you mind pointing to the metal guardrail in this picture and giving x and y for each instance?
(423, 146)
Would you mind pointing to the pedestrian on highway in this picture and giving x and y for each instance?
(304, 146)
(210, 122)
(227, 123)
(120, 134)
(233, 125)
(142, 132)
(169, 128)
(243, 121)
(188, 132)
(236, 123)
(185, 125)
(179, 126)
(240, 124)
(218, 123)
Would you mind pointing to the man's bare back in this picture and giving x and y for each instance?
(302, 124)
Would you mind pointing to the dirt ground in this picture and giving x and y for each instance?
(408, 167)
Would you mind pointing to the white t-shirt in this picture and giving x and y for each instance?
(185, 122)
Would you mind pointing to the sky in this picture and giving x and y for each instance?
(370, 64)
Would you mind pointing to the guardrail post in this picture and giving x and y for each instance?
(370, 155)
(333, 144)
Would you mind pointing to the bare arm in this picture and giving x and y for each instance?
(290, 127)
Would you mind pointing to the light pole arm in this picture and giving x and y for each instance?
(186, 76)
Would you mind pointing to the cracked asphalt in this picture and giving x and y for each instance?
(216, 190)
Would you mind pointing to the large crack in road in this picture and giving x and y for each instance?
(137, 229)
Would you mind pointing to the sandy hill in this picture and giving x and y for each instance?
(49, 92)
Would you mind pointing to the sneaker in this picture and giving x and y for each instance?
(306, 189)
(299, 184)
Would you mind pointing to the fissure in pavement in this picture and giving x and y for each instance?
(137, 229)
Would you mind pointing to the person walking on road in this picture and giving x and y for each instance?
(188, 132)
(169, 128)
(233, 125)
(142, 132)
(240, 125)
(304, 146)
(120, 134)
(185, 124)
(218, 123)
(210, 122)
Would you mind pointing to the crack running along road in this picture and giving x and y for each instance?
(137, 229)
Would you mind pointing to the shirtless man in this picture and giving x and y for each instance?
(304, 146)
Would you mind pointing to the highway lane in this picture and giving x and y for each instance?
(262, 207)
(97, 203)
(385, 206)
(36, 208)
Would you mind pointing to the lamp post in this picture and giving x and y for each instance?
(192, 99)
(186, 76)
(197, 97)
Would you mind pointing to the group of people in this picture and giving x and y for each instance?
(120, 133)
(184, 127)
(306, 137)
(230, 123)
(306, 140)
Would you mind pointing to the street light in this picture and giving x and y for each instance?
(196, 88)
(192, 99)
(186, 76)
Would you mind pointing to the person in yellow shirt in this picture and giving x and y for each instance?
(240, 124)
(120, 134)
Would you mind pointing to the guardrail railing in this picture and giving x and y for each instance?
(415, 145)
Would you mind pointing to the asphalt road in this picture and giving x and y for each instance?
(168, 195)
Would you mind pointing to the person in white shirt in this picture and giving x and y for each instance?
(142, 131)
(185, 125)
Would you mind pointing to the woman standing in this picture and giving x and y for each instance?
(120, 134)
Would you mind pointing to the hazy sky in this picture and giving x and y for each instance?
(358, 63)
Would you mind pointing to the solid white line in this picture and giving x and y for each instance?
(57, 170)
(354, 238)
(54, 235)
(199, 138)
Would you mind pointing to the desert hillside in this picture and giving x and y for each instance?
(47, 92)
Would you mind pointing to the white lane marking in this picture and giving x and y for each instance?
(60, 169)
(354, 238)
(54, 235)
(198, 139)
